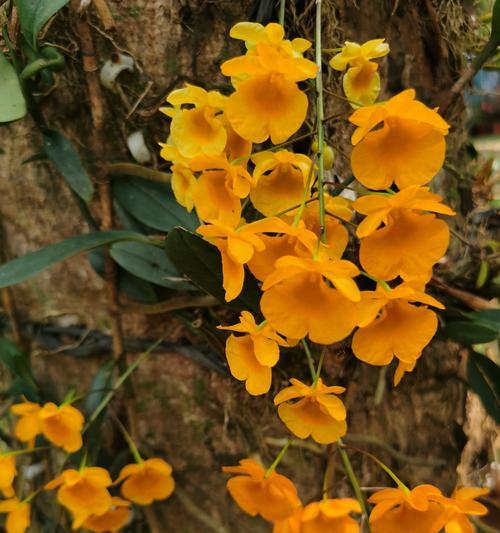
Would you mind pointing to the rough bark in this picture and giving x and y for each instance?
(197, 419)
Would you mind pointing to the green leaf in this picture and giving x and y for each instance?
(486, 317)
(19, 365)
(469, 332)
(133, 287)
(483, 376)
(12, 102)
(152, 203)
(34, 14)
(148, 262)
(67, 161)
(99, 387)
(33, 263)
(200, 261)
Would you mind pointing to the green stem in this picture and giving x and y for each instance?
(320, 364)
(307, 190)
(282, 12)
(384, 467)
(319, 121)
(380, 282)
(354, 480)
(131, 444)
(277, 461)
(53, 60)
(310, 361)
(119, 382)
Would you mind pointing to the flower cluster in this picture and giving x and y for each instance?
(270, 213)
(85, 492)
(296, 248)
(422, 510)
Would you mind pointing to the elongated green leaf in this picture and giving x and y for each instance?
(201, 263)
(99, 387)
(12, 102)
(33, 263)
(67, 161)
(486, 317)
(150, 263)
(23, 382)
(135, 288)
(483, 376)
(469, 332)
(34, 14)
(17, 362)
(152, 203)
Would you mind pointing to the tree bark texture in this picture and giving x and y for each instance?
(196, 418)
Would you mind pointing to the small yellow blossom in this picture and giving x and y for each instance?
(237, 178)
(291, 240)
(337, 209)
(416, 511)
(410, 243)
(8, 473)
(183, 183)
(147, 481)
(251, 356)
(408, 150)
(280, 178)
(361, 82)
(253, 33)
(114, 519)
(391, 326)
(324, 313)
(83, 492)
(18, 515)
(237, 246)
(318, 414)
(197, 130)
(267, 101)
(62, 426)
(273, 497)
(29, 424)
(330, 516)
(461, 504)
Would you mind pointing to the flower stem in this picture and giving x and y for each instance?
(282, 12)
(320, 364)
(130, 442)
(307, 190)
(384, 467)
(310, 361)
(319, 121)
(277, 461)
(353, 479)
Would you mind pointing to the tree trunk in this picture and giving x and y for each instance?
(196, 418)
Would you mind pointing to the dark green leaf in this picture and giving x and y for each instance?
(41, 156)
(132, 286)
(469, 332)
(152, 203)
(99, 387)
(12, 102)
(67, 161)
(486, 317)
(33, 263)
(201, 263)
(148, 262)
(34, 14)
(20, 367)
(483, 376)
